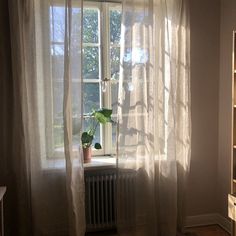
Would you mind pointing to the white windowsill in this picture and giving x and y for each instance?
(97, 162)
(100, 162)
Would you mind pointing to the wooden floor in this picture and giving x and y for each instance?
(213, 230)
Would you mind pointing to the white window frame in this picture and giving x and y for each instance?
(104, 72)
(104, 49)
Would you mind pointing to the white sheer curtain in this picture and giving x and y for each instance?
(46, 156)
(154, 117)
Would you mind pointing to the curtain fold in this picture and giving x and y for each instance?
(46, 163)
(154, 140)
(74, 160)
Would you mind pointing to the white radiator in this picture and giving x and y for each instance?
(100, 197)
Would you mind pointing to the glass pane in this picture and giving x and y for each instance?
(114, 96)
(91, 97)
(75, 52)
(115, 63)
(57, 26)
(75, 68)
(114, 130)
(115, 25)
(97, 137)
(57, 57)
(90, 25)
(58, 136)
(58, 113)
(90, 63)
(76, 25)
(76, 128)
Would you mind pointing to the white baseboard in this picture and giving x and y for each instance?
(208, 219)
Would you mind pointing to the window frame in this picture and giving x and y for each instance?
(105, 62)
(104, 45)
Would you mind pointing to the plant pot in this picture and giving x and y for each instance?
(87, 152)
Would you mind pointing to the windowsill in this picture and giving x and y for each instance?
(97, 162)
(100, 162)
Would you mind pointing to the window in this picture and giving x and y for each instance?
(101, 58)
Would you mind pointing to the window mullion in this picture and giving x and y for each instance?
(106, 65)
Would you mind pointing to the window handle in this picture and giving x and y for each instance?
(104, 84)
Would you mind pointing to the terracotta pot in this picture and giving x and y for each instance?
(87, 154)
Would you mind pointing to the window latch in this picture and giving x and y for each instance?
(104, 84)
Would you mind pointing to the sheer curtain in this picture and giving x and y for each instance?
(154, 126)
(46, 156)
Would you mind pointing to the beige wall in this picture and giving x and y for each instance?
(228, 24)
(212, 24)
(205, 44)
(206, 193)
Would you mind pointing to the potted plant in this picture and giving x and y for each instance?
(96, 117)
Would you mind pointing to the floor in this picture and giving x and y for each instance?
(213, 230)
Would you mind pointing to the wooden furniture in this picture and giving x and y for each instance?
(232, 195)
(2, 193)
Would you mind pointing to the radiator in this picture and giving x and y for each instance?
(100, 198)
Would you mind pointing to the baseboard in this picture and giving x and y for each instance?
(208, 219)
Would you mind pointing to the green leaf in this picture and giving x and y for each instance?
(86, 138)
(100, 117)
(97, 146)
(106, 112)
(103, 115)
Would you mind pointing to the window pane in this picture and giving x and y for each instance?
(90, 25)
(58, 113)
(57, 57)
(58, 136)
(90, 63)
(57, 26)
(115, 26)
(115, 63)
(91, 96)
(114, 96)
(114, 131)
(76, 25)
(76, 128)
(97, 138)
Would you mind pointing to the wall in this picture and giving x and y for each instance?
(6, 104)
(204, 187)
(211, 30)
(205, 44)
(228, 23)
